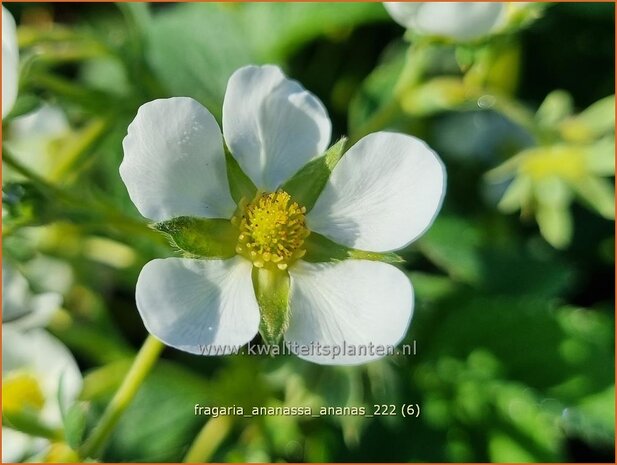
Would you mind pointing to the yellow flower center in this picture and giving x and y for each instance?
(21, 391)
(564, 162)
(272, 230)
(60, 452)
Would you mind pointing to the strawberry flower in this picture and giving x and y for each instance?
(10, 62)
(459, 21)
(273, 242)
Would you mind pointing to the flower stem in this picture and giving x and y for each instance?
(144, 361)
(79, 147)
(208, 440)
(411, 74)
(82, 211)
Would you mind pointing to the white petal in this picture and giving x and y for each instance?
(16, 294)
(10, 62)
(272, 125)
(383, 194)
(403, 13)
(355, 303)
(43, 307)
(21, 309)
(47, 121)
(33, 139)
(174, 163)
(41, 354)
(15, 445)
(456, 20)
(191, 304)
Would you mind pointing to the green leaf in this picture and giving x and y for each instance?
(593, 419)
(166, 398)
(272, 293)
(200, 237)
(240, 184)
(276, 30)
(568, 344)
(525, 430)
(469, 253)
(428, 287)
(194, 48)
(321, 249)
(377, 89)
(75, 424)
(306, 185)
(137, 13)
(30, 423)
(24, 104)
(519, 370)
(453, 244)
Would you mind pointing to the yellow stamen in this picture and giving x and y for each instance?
(272, 230)
(21, 391)
(564, 162)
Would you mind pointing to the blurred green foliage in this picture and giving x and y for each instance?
(515, 338)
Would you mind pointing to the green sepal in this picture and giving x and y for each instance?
(200, 237)
(75, 424)
(240, 185)
(306, 185)
(321, 249)
(272, 293)
(28, 422)
(24, 104)
(73, 416)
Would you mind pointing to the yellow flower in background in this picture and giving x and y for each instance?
(36, 367)
(574, 164)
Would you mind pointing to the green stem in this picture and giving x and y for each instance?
(517, 113)
(89, 137)
(145, 360)
(43, 184)
(91, 99)
(411, 74)
(97, 213)
(208, 440)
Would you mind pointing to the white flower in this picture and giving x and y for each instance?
(10, 62)
(382, 195)
(34, 364)
(459, 21)
(21, 308)
(32, 137)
